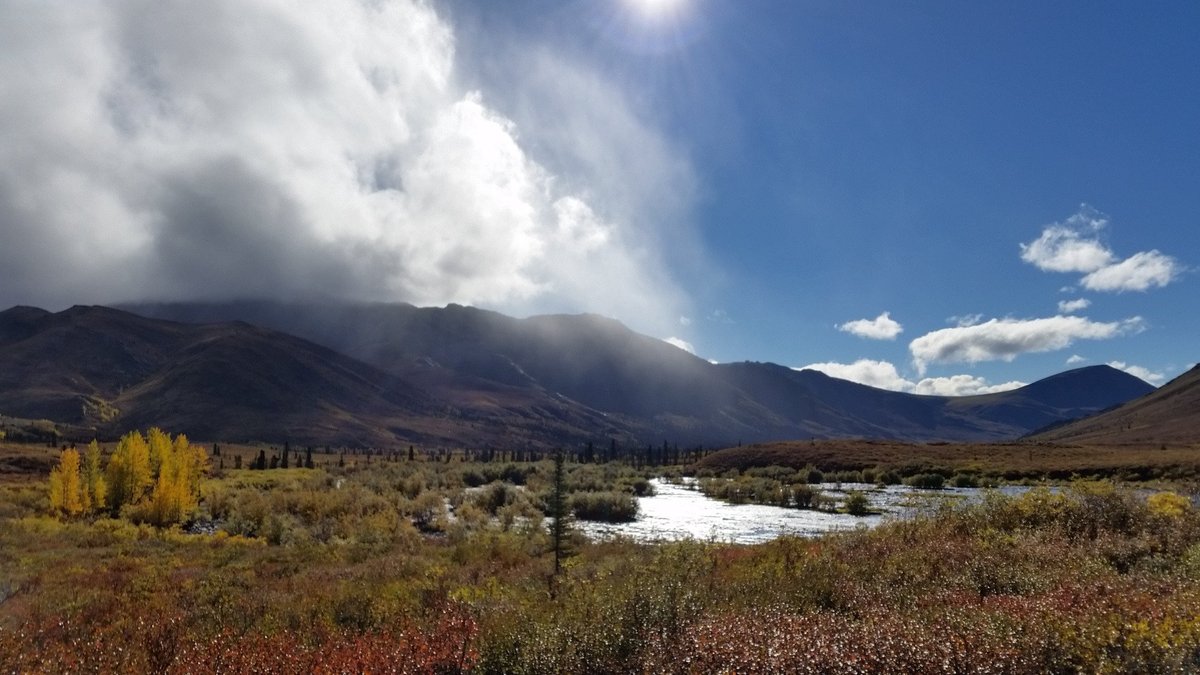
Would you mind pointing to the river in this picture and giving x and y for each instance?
(677, 512)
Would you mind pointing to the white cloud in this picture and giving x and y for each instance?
(257, 148)
(882, 327)
(1139, 272)
(1140, 372)
(961, 385)
(682, 344)
(685, 321)
(884, 375)
(965, 320)
(879, 374)
(1075, 359)
(1005, 339)
(1072, 306)
(1075, 246)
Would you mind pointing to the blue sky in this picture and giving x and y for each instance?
(853, 159)
(899, 193)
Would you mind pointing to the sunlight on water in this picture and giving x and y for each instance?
(678, 512)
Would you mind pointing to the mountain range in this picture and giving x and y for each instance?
(379, 374)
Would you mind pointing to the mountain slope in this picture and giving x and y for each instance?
(1170, 414)
(114, 370)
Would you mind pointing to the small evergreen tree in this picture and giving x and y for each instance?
(560, 512)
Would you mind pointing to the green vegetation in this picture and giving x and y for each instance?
(438, 566)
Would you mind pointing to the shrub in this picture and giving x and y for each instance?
(857, 503)
(926, 481)
(607, 507)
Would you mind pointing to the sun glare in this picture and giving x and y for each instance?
(656, 9)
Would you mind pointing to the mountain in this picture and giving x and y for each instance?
(114, 370)
(593, 376)
(1169, 414)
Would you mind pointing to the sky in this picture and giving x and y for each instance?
(933, 197)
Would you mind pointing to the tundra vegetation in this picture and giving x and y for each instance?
(416, 561)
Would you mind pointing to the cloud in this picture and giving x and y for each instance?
(965, 320)
(255, 148)
(879, 374)
(882, 327)
(1139, 272)
(1075, 359)
(682, 344)
(1075, 246)
(1072, 306)
(1140, 372)
(1070, 246)
(1005, 339)
(884, 375)
(962, 385)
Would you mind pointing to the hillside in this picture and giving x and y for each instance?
(112, 370)
(1168, 415)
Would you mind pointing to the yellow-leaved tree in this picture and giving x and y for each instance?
(65, 497)
(95, 487)
(177, 485)
(128, 472)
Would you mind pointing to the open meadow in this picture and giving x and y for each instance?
(437, 564)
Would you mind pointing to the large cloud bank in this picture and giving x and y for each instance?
(243, 148)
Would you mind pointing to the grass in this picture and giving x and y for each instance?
(327, 569)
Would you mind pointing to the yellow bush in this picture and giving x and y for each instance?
(1168, 504)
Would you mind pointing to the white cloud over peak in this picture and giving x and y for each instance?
(682, 344)
(882, 327)
(1072, 306)
(1075, 359)
(1155, 378)
(884, 375)
(879, 374)
(242, 148)
(1005, 339)
(962, 385)
(1075, 246)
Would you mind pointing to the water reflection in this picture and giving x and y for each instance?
(678, 512)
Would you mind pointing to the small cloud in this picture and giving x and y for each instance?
(882, 327)
(682, 344)
(884, 375)
(1071, 246)
(1075, 246)
(879, 374)
(1072, 306)
(1138, 272)
(719, 316)
(962, 385)
(965, 320)
(1075, 359)
(685, 321)
(1139, 372)
(1005, 339)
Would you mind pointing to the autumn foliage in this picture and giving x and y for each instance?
(153, 479)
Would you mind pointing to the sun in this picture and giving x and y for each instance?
(656, 9)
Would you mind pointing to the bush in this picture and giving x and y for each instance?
(606, 507)
(926, 481)
(857, 504)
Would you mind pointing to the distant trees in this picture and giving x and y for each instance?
(152, 478)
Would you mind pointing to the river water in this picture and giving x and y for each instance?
(677, 512)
